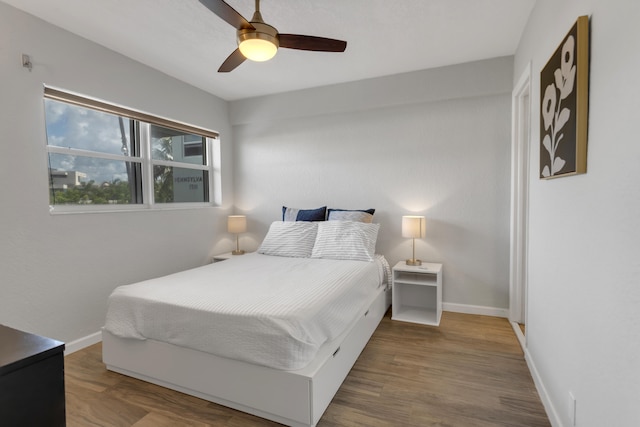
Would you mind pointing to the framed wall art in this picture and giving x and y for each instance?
(564, 105)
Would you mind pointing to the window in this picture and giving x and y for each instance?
(175, 181)
(102, 155)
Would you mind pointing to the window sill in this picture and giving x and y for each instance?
(101, 209)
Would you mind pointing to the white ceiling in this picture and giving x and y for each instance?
(185, 40)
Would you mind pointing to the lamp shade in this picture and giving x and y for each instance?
(413, 226)
(237, 224)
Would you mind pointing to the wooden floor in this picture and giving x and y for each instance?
(470, 371)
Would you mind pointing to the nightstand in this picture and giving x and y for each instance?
(417, 293)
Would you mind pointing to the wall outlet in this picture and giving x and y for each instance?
(572, 409)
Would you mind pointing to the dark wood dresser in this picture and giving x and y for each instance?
(31, 380)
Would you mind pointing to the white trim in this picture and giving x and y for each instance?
(138, 207)
(520, 146)
(82, 343)
(475, 309)
(552, 414)
(68, 151)
(148, 190)
(181, 165)
(519, 335)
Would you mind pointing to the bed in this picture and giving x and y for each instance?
(272, 333)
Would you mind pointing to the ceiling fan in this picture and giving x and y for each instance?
(259, 41)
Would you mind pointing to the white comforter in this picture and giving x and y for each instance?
(266, 310)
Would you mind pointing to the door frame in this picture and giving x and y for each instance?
(520, 152)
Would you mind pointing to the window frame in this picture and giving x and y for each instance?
(143, 122)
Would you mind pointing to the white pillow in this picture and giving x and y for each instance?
(346, 240)
(290, 239)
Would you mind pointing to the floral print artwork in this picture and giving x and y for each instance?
(559, 109)
(554, 115)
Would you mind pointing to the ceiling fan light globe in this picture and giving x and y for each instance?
(257, 49)
(259, 43)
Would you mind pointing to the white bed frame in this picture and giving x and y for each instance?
(294, 398)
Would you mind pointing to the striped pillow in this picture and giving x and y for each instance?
(346, 240)
(290, 238)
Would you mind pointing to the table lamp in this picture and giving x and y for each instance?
(413, 228)
(237, 224)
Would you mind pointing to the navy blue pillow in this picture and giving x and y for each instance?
(294, 214)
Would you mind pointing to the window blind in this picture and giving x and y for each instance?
(82, 101)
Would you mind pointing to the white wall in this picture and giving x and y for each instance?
(432, 142)
(583, 329)
(56, 271)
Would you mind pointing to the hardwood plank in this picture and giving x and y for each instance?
(89, 408)
(155, 419)
(470, 371)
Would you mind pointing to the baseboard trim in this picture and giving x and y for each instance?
(79, 344)
(521, 338)
(475, 309)
(537, 381)
(554, 419)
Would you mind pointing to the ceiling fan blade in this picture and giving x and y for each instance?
(232, 61)
(227, 13)
(322, 44)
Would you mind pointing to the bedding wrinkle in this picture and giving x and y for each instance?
(267, 310)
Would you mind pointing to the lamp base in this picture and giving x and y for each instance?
(413, 262)
(237, 252)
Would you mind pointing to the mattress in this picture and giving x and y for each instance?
(266, 310)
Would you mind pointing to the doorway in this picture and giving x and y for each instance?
(520, 145)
